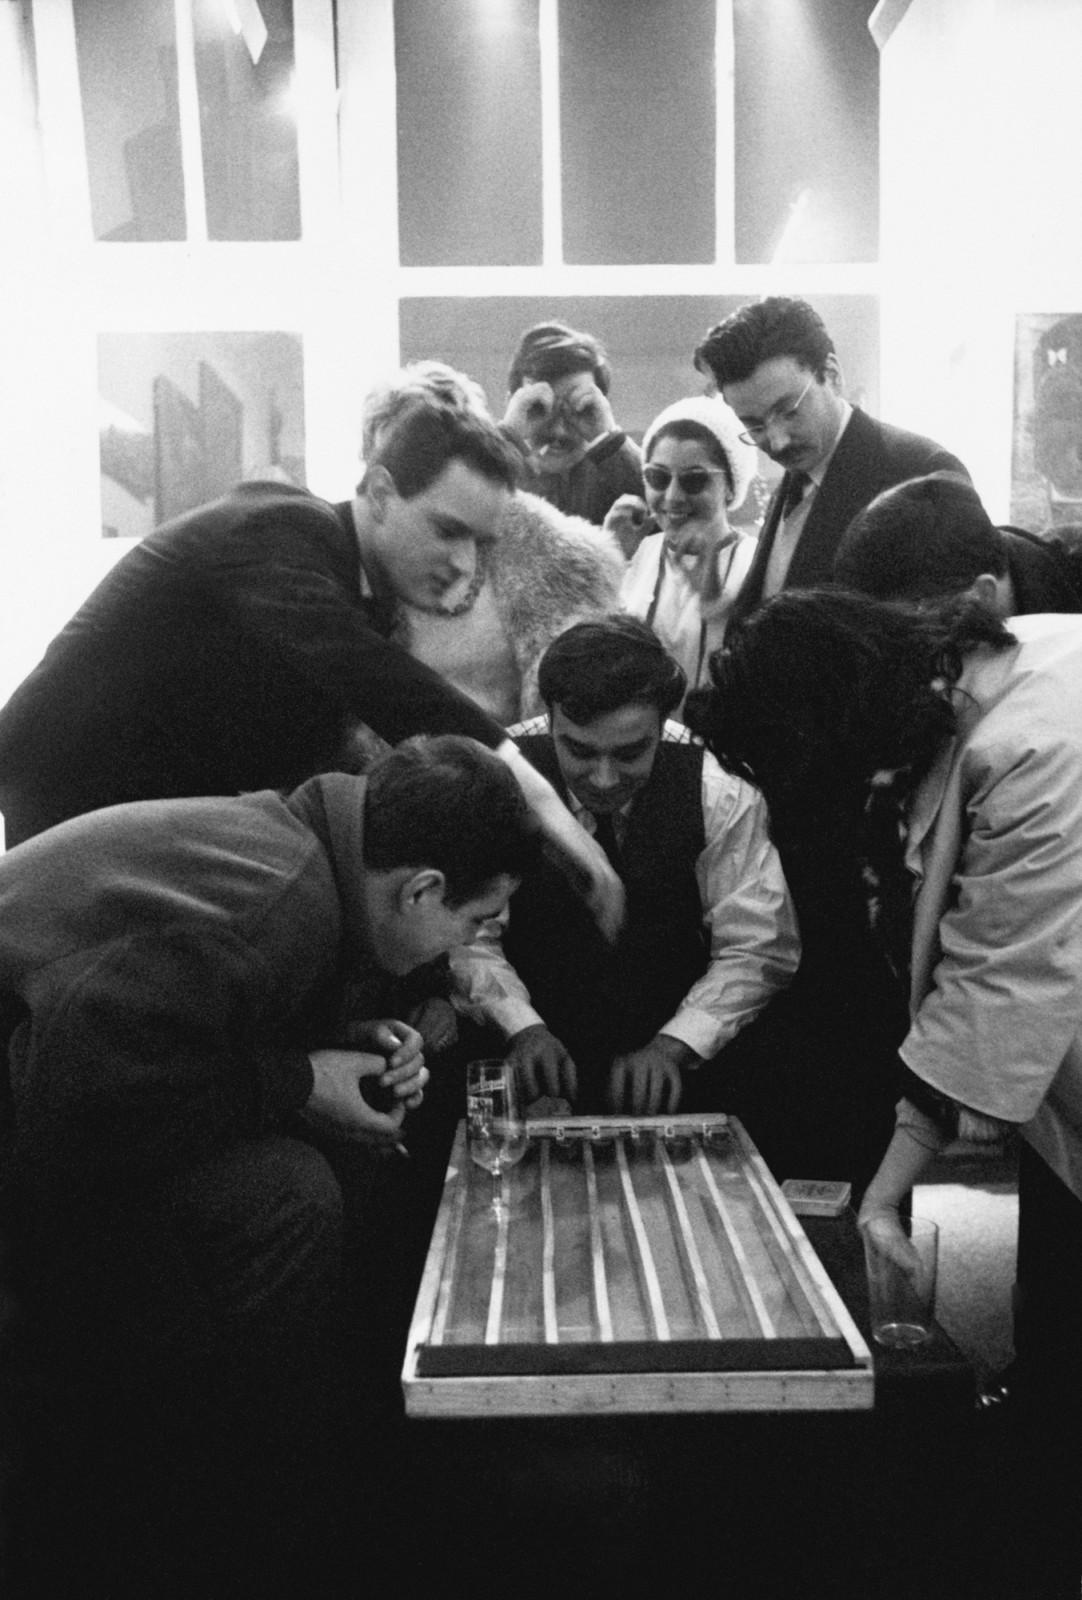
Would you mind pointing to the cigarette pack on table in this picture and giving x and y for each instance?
(816, 1197)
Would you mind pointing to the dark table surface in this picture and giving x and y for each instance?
(877, 1504)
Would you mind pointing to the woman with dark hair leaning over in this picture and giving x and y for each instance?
(967, 737)
(815, 1078)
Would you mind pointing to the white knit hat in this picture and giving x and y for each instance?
(711, 413)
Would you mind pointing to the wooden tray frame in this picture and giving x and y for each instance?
(683, 1376)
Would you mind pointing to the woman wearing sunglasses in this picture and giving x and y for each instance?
(687, 568)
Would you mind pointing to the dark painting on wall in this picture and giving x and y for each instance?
(178, 452)
(222, 416)
(1046, 464)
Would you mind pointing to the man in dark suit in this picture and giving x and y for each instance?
(775, 365)
(245, 644)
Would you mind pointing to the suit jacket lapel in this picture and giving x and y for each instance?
(751, 590)
(852, 472)
(851, 480)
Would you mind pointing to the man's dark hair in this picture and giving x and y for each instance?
(820, 689)
(552, 350)
(759, 331)
(598, 666)
(923, 539)
(447, 802)
(429, 429)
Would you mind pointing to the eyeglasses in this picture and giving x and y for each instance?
(784, 414)
(691, 482)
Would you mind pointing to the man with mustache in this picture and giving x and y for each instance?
(774, 363)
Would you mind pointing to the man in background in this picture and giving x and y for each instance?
(775, 365)
(710, 934)
(558, 404)
(931, 538)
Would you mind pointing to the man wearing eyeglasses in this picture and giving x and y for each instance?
(775, 365)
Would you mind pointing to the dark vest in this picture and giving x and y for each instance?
(601, 1000)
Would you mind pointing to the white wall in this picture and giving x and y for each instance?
(981, 131)
(336, 289)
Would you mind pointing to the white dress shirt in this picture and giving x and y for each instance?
(747, 913)
(657, 589)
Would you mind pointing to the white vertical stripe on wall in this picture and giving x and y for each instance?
(725, 141)
(316, 99)
(191, 140)
(552, 217)
(351, 322)
(61, 108)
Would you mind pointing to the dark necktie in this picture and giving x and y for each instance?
(797, 482)
(605, 834)
(381, 614)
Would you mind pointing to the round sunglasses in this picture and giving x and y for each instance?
(690, 482)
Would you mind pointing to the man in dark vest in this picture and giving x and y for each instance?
(710, 933)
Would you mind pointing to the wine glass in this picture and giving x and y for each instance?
(495, 1129)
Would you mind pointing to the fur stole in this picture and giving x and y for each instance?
(546, 571)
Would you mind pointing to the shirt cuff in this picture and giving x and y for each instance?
(511, 1016)
(699, 1031)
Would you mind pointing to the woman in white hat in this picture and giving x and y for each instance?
(684, 575)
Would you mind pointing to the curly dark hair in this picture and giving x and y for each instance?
(820, 689)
